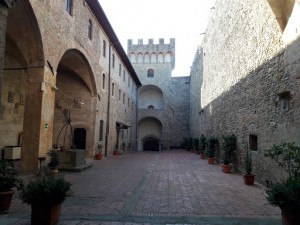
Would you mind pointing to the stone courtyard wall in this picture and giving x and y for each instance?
(249, 79)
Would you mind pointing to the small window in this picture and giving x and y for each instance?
(104, 48)
(120, 69)
(101, 130)
(129, 82)
(252, 142)
(128, 102)
(113, 60)
(69, 7)
(150, 107)
(124, 76)
(112, 89)
(119, 94)
(284, 100)
(90, 30)
(150, 73)
(103, 81)
(123, 98)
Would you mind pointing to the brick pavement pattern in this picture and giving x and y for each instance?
(169, 187)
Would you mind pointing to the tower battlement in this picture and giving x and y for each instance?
(151, 52)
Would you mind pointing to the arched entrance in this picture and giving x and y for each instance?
(151, 144)
(20, 85)
(74, 102)
(150, 134)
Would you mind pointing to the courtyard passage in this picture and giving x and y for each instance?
(168, 187)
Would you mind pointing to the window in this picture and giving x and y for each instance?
(128, 102)
(120, 69)
(284, 100)
(123, 98)
(150, 73)
(132, 105)
(128, 81)
(112, 89)
(90, 30)
(150, 107)
(113, 60)
(104, 48)
(101, 130)
(119, 94)
(69, 6)
(103, 81)
(124, 76)
(252, 142)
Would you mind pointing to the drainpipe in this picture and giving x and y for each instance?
(136, 117)
(108, 102)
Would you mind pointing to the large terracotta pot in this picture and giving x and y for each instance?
(290, 217)
(249, 179)
(45, 215)
(116, 152)
(211, 160)
(202, 156)
(5, 201)
(226, 168)
(98, 156)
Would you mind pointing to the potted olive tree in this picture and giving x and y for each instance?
(202, 146)
(228, 147)
(248, 175)
(8, 182)
(116, 151)
(286, 193)
(98, 154)
(211, 149)
(45, 196)
(53, 162)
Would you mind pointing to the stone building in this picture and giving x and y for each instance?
(163, 100)
(248, 67)
(65, 80)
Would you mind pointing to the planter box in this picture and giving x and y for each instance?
(12, 152)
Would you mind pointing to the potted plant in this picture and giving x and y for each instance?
(286, 193)
(116, 151)
(196, 145)
(247, 175)
(45, 195)
(211, 149)
(99, 155)
(53, 162)
(8, 182)
(228, 147)
(202, 146)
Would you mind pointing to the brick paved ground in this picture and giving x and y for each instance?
(171, 187)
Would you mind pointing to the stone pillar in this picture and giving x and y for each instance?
(38, 118)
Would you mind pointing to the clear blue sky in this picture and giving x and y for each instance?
(182, 20)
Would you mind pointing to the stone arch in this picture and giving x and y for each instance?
(23, 72)
(150, 95)
(168, 56)
(140, 58)
(282, 11)
(132, 57)
(75, 99)
(160, 57)
(147, 57)
(150, 133)
(153, 57)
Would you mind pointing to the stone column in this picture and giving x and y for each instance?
(38, 117)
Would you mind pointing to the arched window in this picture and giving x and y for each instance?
(124, 78)
(150, 73)
(90, 30)
(112, 89)
(103, 81)
(104, 48)
(113, 60)
(69, 6)
(120, 69)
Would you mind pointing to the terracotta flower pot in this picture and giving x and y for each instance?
(249, 179)
(46, 215)
(5, 201)
(116, 152)
(202, 156)
(226, 168)
(211, 160)
(98, 156)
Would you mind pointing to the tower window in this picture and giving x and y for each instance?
(150, 73)
(252, 142)
(69, 6)
(104, 48)
(90, 30)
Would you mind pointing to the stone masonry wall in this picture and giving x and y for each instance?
(246, 73)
